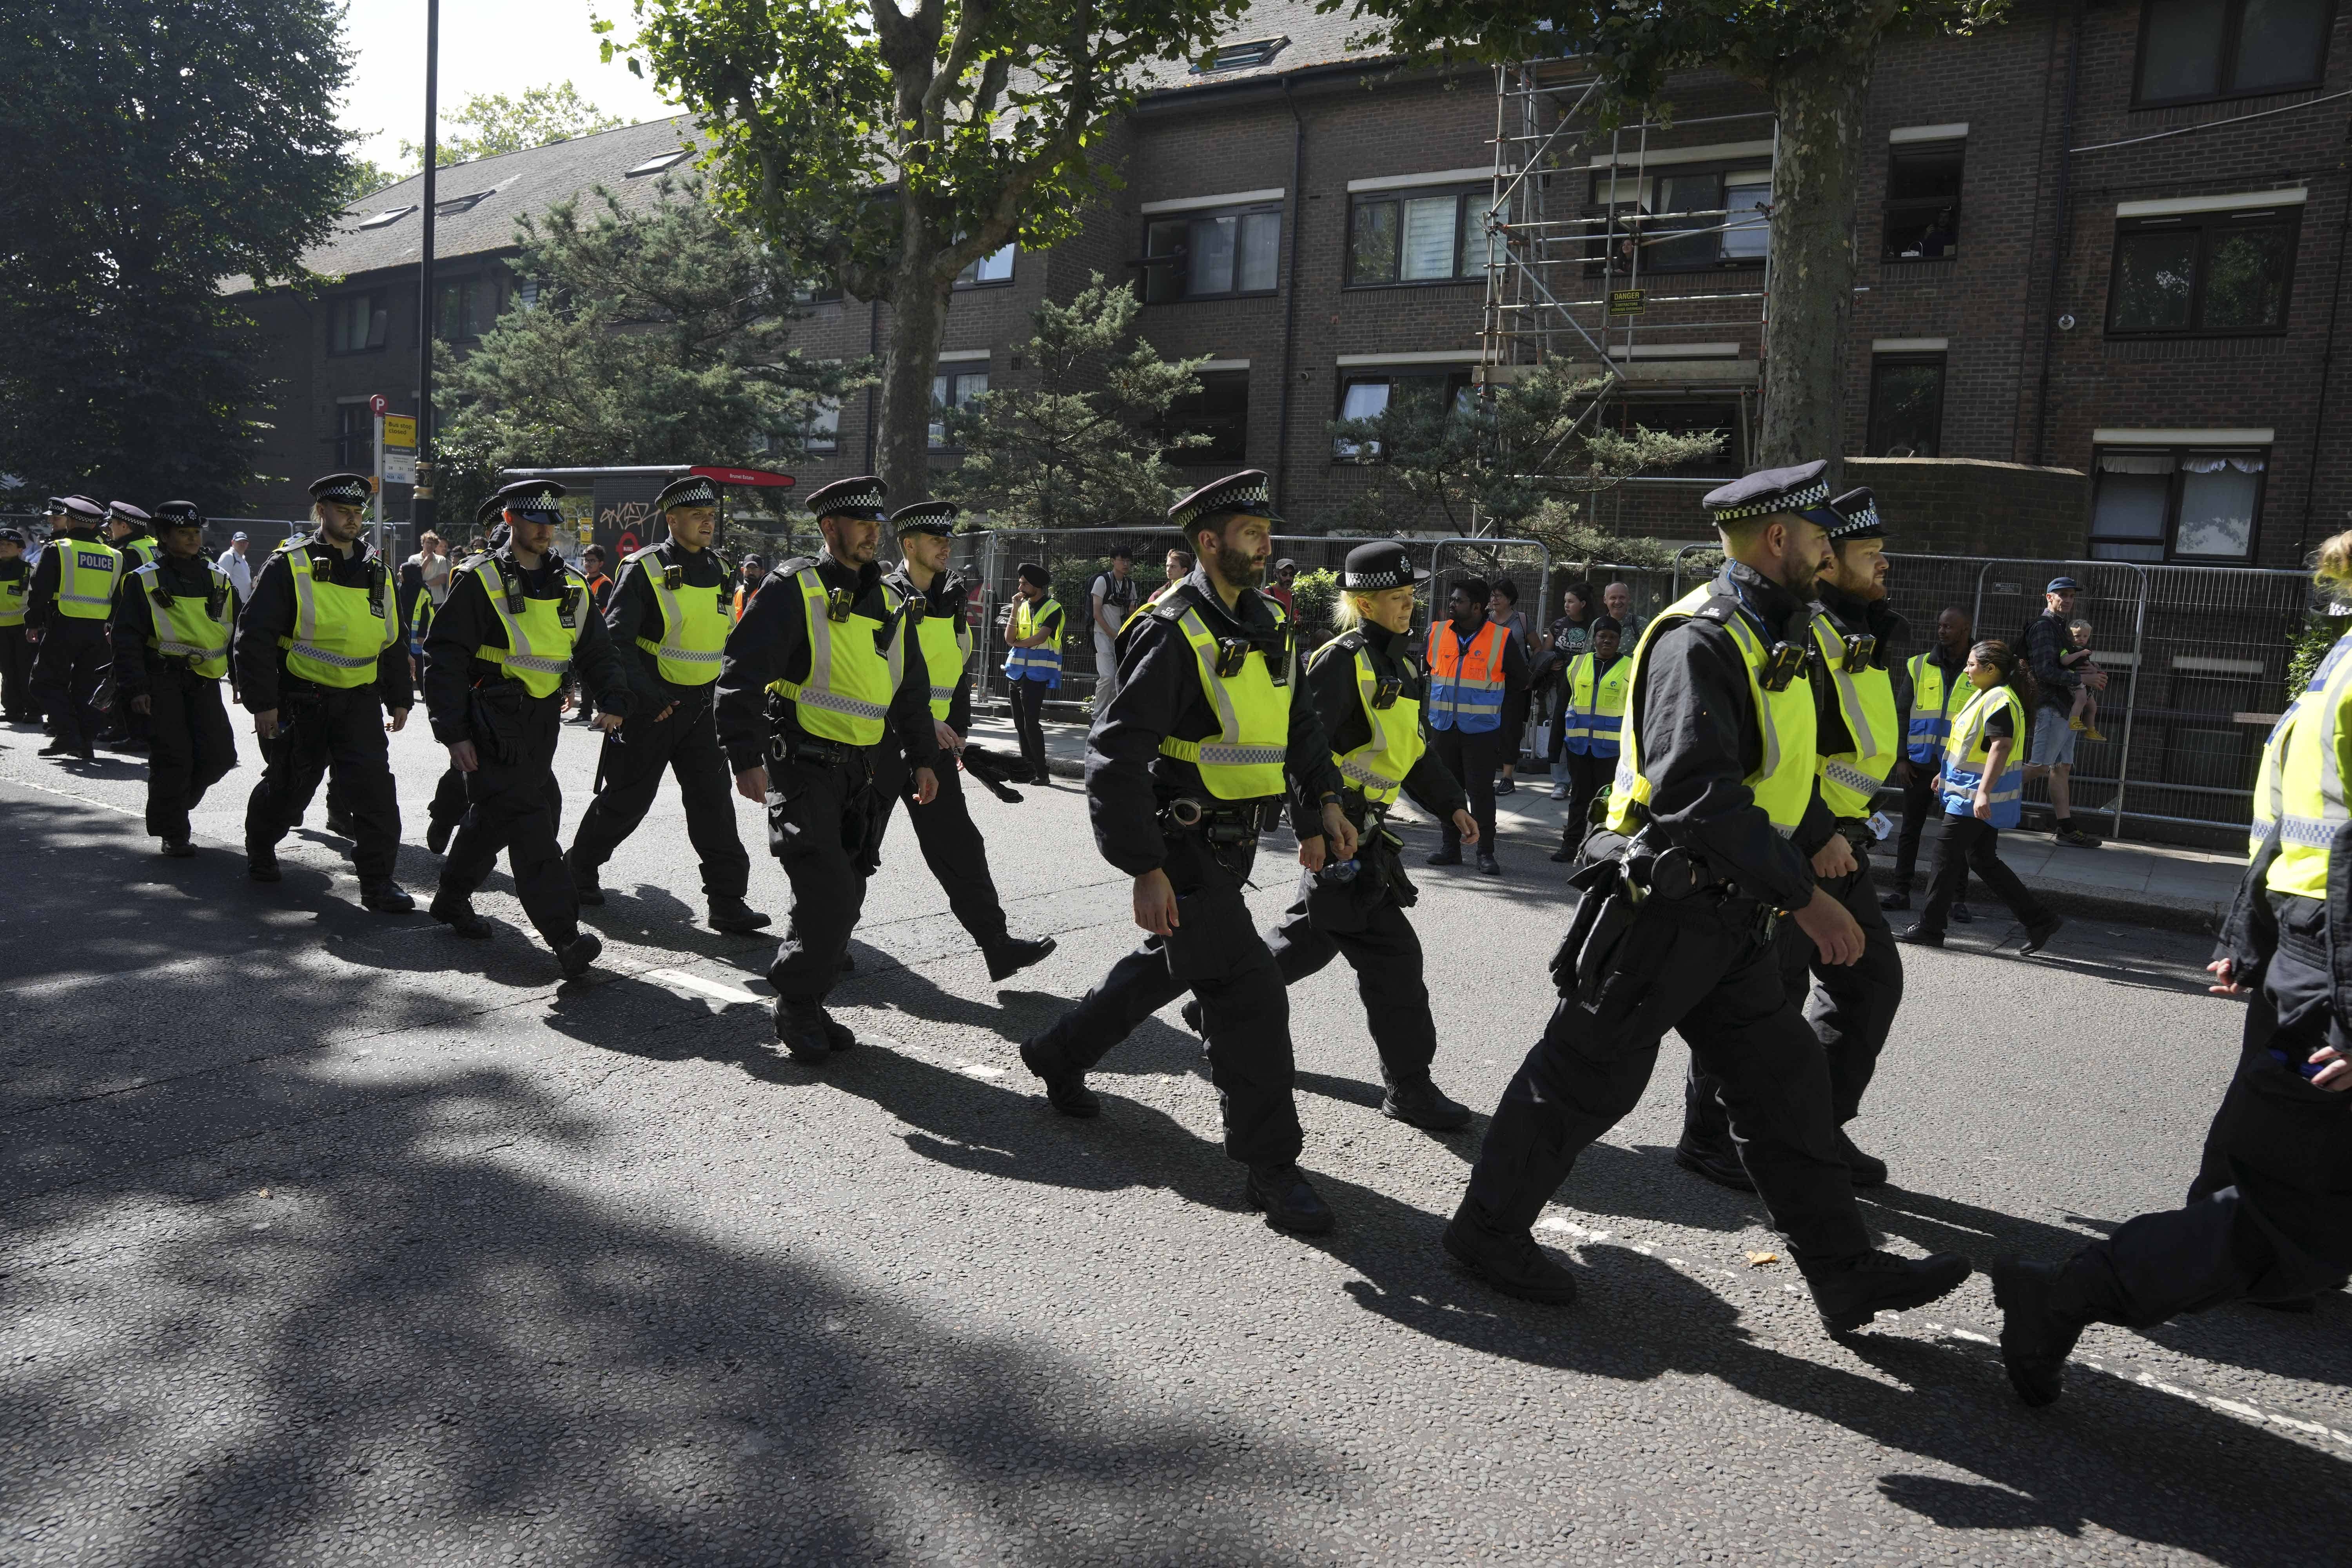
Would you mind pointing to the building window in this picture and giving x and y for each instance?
(355, 323)
(996, 267)
(1681, 418)
(1399, 237)
(355, 438)
(465, 309)
(2202, 274)
(1369, 394)
(953, 390)
(1906, 405)
(1239, 57)
(2180, 503)
(822, 291)
(1923, 201)
(2196, 49)
(1212, 255)
(1219, 410)
(1682, 221)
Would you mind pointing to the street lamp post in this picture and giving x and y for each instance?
(421, 496)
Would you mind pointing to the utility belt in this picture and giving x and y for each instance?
(1222, 823)
(814, 751)
(1680, 883)
(1858, 834)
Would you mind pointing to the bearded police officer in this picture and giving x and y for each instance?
(72, 596)
(516, 624)
(172, 627)
(932, 596)
(819, 675)
(15, 645)
(1675, 925)
(1184, 768)
(669, 616)
(1368, 694)
(322, 659)
(447, 808)
(1850, 1006)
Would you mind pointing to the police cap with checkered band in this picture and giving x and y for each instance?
(1769, 493)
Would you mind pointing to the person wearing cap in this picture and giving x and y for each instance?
(1715, 779)
(819, 677)
(1033, 662)
(15, 645)
(1184, 769)
(1279, 585)
(2047, 642)
(517, 622)
(72, 595)
(1111, 598)
(1858, 738)
(932, 596)
(172, 622)
(1477, 697)
(1367, 691)
(235, 561)
(747, 584)
(323, 665)
(668, 617)
(131, 530)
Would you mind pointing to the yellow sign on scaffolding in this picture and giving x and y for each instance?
(1626, 302)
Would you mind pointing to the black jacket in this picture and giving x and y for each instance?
(134, 618)
(771, 643)
(1331, 680)
(1861, 618)
(1514, 677)
(1159, 695)
(949, 597)
(630, 610)
(468, 623)
(41, 592)
(261, 676)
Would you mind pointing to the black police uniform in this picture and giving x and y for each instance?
(16, 705)
(190, 746)
(826, 807)
(321, 728)
(672, 729)
(448, 806)
(70, 665)
(126, 728)
(512, 802)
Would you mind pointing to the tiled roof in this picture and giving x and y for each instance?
(1316, 39)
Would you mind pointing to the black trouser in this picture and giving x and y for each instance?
(1028, 723)
(2282, 1227)
(1850, 1007)
(1471, 759)
(1588, 775)
(629, 773)
(17, 674)
(67, 673)
(950, 842)
(1362, 922)
(513, 806)
(1216, 954)
(1699, 969)
(1922, 803)
(192, 747)
(825, 825)
(1963, 842)
(321, 728)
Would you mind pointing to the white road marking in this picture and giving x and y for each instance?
(696, 985)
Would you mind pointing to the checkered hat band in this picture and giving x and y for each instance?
(345, 495)
(1857, 522)
(1812, 495)
(1376, 580)
(693, 495)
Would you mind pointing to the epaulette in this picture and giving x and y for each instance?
(470, 563)
(640, 553)
(793, 567)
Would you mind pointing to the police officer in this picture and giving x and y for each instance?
(1367, 691)
(932, 596)
(16, 644)
(669, 622)
(820, 674)
(131, 530)
(1851, 1006)
(1194, 755)
(2269, 1218)
(322, 661)
(447, 808)
(516, 624)
(1674, 929)
(172, 627)
(71, 597)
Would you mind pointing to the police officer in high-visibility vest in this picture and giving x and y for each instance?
(1366, 690)
(1477, 690)
(1937, 691)
(932, 596)
(447, 808)
(1681, 898)
(16, 644)
(172, 622)
(670, 619)
(2269, 1217)
(1850, 1006)
(819, 675)
(323, 665)
(516, 624)
(1033, 661)
(72, 596)
(1591, 711)
(1199, 750)
(130, 530)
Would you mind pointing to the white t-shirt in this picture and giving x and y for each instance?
(239, 570)
(436, 571)
(1117, 599)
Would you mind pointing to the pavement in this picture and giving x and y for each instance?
(327, 1237)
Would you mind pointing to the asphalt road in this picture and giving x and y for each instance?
(327, 1237)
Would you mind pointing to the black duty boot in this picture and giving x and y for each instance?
(1851, 1294)
(1963, 915)
(58, 749)
(1422, 1104)
(179, 849)
(1920, 936)
(1900, 898)
(1009, 955)
(1190, 1014)
(729, 914)
(1867, 1170)
(574, 956)
(1489, 865)
(1445, 857)
(838, 1035)
(2038, 936)
(1065, 1089)
(1715, 1159)
(386, 897)
(1513, 1265)
(2034, 1340)
(261, 865)
(436, 836)
(585, 885)
(1289, 1201)
(456, 910)
(801, 1025)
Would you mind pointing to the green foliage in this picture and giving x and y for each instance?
(1498, 457)
(533, 118)
(365, 179)
(148, 149)
(1314, 600)
(1577, 543)
(1079, 444)
(2320, 632)
(660, 335)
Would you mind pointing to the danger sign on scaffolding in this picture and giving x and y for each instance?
(1626, 302)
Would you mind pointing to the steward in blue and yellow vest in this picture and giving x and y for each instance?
(1938, 688)
(1043, 662)
(1466, 677)
(1595, 709)
(1968, 753)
